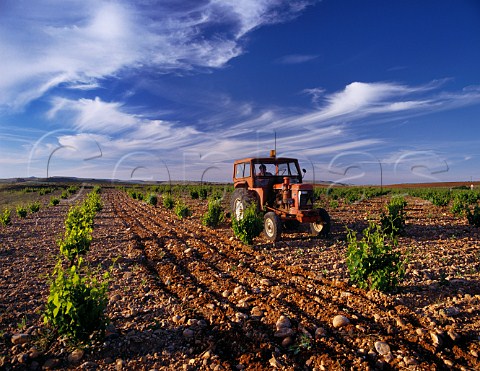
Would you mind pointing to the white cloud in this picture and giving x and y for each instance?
(296, 58)
(404, 106)
(358, 96)
(81, 146)
(316, 94)
(47, 42)
(356, 99)
(361, 99)
(250, 14)
(117, 129)
(93, 115)
(47, 51)
(84, 85)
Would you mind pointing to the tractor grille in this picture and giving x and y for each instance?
(305, 199)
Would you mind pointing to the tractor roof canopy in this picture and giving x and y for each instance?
(267, 160)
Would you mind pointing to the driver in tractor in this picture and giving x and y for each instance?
(263, 171)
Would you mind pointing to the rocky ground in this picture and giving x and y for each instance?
(187, 297)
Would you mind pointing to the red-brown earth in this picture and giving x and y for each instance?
(185, 296)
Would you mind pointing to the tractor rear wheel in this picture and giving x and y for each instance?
(322, 226)
(241, 199)
(272, 225)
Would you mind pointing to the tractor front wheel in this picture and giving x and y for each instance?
(322, 226)
(273, 226)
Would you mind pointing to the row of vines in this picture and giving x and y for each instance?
(462, 201)
(23, 209)
(76, 304)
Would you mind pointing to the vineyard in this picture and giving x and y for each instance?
(169, 286)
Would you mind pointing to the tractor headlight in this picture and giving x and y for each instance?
(302, 195)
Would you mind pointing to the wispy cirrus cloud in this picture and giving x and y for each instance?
(92, 115)
(54, 48)
(316, 94)
(48, 43)
(361, 99)
(296, 58)
(321, 131)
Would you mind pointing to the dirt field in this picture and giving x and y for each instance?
(187, 297)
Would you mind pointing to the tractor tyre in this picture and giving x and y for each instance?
(241, 199)
(273, 226)
(322, 226)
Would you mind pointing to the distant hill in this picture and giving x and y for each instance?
(92, 181)
(115, 182)
(434, 185)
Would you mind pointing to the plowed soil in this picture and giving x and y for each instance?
(185, 296)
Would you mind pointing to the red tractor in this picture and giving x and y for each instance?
(275, 185)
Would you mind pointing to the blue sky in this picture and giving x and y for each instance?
(157, 89)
